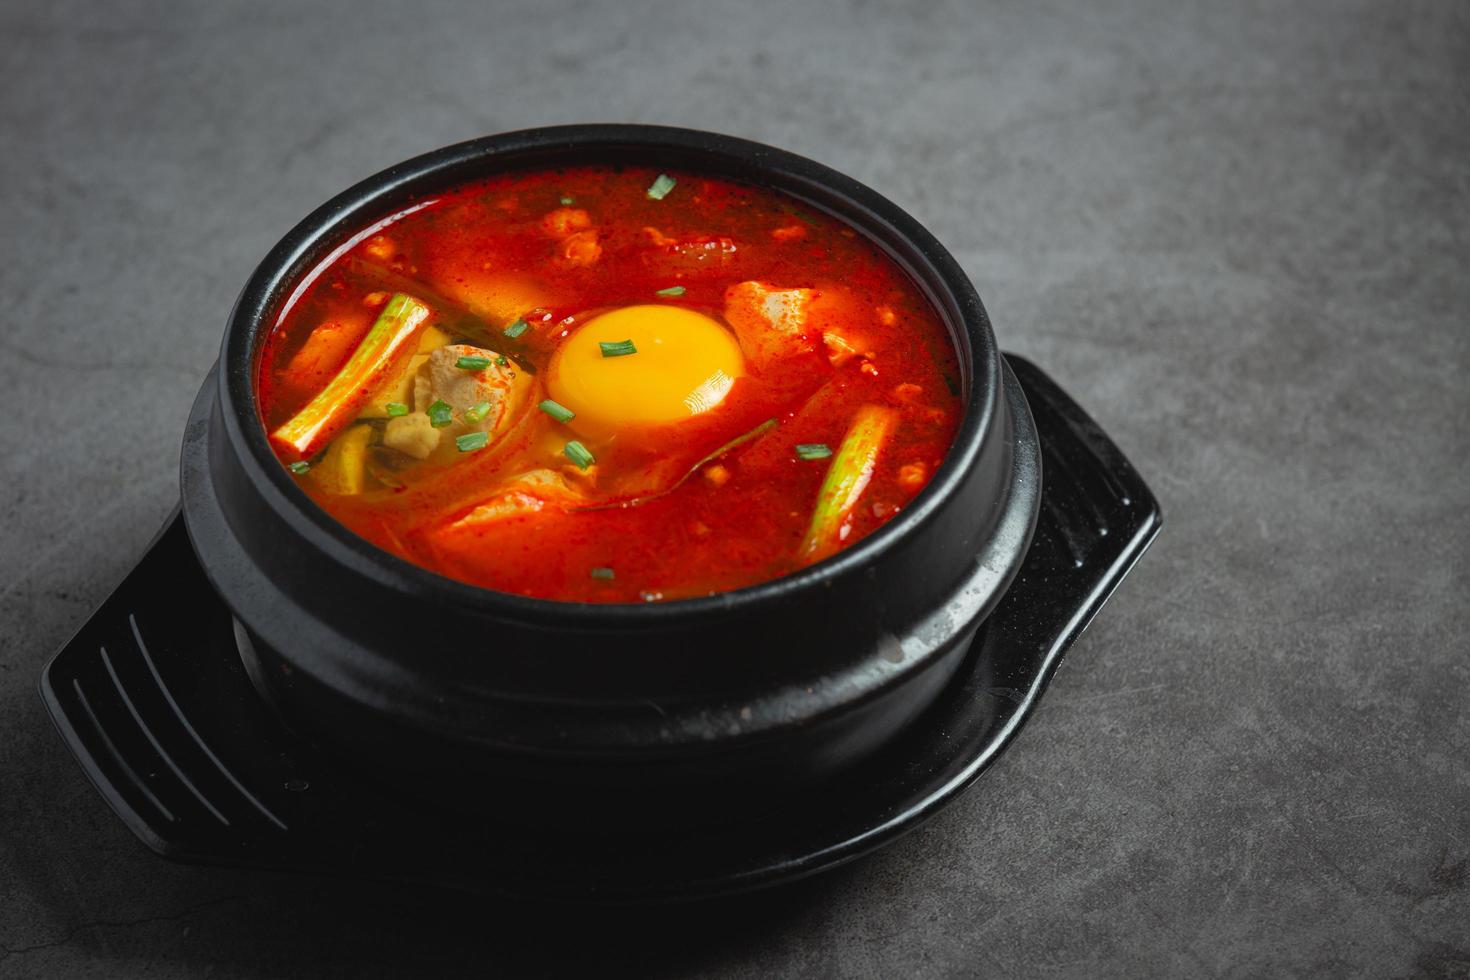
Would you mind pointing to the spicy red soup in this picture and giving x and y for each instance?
(610, 384)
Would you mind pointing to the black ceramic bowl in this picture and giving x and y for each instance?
(419, 678)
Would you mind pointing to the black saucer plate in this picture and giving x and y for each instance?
(151, 697)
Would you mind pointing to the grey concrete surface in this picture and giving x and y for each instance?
(1236, 232)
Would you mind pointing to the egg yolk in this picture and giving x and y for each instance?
(681, 363)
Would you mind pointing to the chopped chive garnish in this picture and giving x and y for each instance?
(472, 362)
(477, 413)
(396, 409)
(813, 450)
(578, 453)
(500, 360)
(661, 186)
(439, 413)
(617, 348)
(603, 573)
(471, 441)
(516, 329)
(299, 467)
(568, 200)
(671, 291)
(557, 410)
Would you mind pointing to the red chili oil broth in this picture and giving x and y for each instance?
(733, 522)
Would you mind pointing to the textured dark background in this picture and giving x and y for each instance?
(1236, 232)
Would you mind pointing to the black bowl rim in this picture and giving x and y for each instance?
(359, 207)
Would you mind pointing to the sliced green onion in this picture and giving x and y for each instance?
(661, 186)
(500, 360)
(813, 450)
(299, 467)
(603, 573)
(847, 477)
(334, 407)
(568, 200)
(617, 348)
(671, 291)
(477, 413)
(472, 362)
(579, 454)
(396, 409)
(471, 441)
(516, 329)
(439, 413)
(557, 410)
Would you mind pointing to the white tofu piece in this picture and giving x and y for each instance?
(770, 323)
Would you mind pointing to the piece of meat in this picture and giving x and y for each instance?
(412, 434)
(501, 386)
